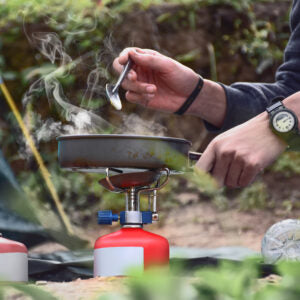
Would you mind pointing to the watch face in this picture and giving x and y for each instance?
(283, 121)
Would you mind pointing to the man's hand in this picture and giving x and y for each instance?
(156, 81)
(235, 157)
(159, 82)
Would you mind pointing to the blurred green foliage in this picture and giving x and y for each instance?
(230, 281)
(11, 290)
(34, 10)
(253, 197)
(288, 164)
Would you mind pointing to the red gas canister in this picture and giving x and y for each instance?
(13, 261)
(116, 253)
(131, 247)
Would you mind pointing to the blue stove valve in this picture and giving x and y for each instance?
(106, 217)
(147, 217)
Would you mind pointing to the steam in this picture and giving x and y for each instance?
(134, 124)
(95, 78)
(51, 47)
(50, 129)
(94, 82)
(78, 26)
(80, 120)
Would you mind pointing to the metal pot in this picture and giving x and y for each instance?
(96, 152)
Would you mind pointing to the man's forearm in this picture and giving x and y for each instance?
(210, 104)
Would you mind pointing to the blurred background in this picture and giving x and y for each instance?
(223, 40)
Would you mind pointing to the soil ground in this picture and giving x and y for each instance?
(203, 226)
(200, 225)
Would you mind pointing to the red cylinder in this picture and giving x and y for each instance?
(116, 252)
(13, 261)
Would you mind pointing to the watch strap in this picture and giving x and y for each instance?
(275, 104)
(276, 99)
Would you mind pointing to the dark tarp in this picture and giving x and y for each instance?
(67, 265)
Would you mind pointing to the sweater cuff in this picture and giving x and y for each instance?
(241, 105)
(227, 124)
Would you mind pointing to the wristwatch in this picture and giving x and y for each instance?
(284, 123)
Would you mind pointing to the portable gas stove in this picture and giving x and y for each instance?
(132, 165)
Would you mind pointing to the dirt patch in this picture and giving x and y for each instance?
(86, 289)
(202, 225)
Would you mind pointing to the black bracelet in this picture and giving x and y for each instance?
(191, 98)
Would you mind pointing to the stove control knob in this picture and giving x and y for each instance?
(147, 217)
(106, 217)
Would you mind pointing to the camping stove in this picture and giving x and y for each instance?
(133, 165)
(131, 246)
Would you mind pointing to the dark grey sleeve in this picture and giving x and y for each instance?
(246, 100)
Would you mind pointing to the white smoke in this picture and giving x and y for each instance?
(79, 25)
(95, 82)
(80, 120)
(49, 130)
(134, 124)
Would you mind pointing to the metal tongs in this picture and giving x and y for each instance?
(112, 91)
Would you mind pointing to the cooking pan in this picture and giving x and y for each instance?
(123, 153)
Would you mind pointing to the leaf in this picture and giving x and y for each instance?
(189, 56)
(34, 292)
(1, 294)
(163, 17)
(40, 71)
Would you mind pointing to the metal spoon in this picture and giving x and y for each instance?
(112, 91)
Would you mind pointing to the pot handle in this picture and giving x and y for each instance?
(193, 157)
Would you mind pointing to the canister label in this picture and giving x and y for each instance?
(13, 267)
(117, 261)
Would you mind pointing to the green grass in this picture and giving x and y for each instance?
(288, 164)
(229, 281)
(11, 290)
(253, 197)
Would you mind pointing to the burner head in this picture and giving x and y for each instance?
(128, 180)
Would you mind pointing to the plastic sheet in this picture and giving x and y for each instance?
(68, 265)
